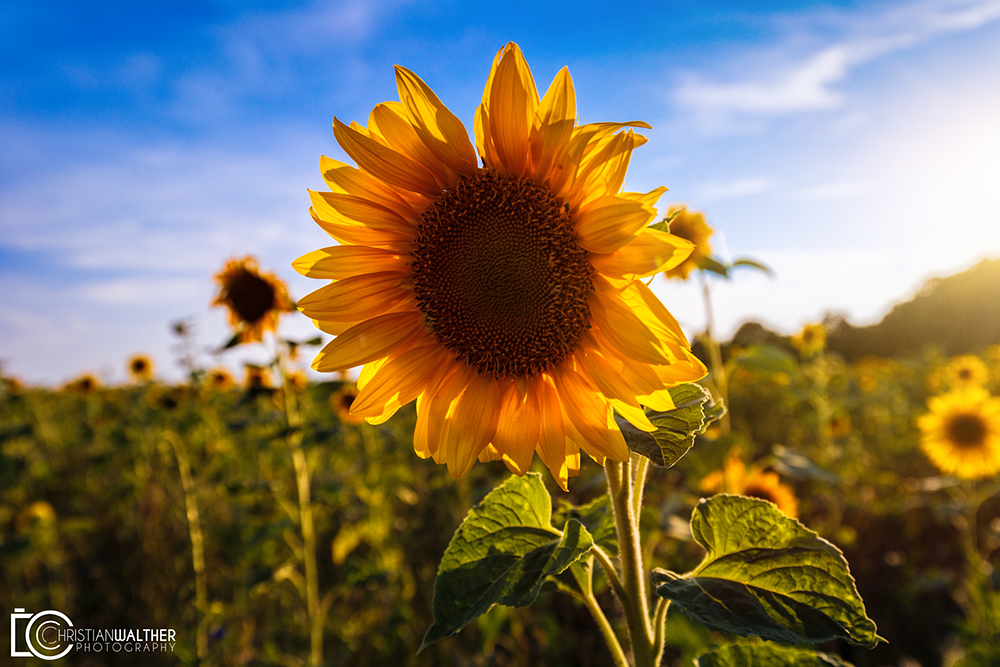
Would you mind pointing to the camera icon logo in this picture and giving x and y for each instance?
(44, 634)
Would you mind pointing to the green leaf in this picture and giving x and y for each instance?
(713, 265)
(754, 264)
(501, 554)
(764, 358)
(767, 575)
(767, 655)
(675, 429)
(597, 517)
(662, 226)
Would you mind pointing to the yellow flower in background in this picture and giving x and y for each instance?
(219, 379)
(966, 370)
(961, 433)
(254, 300)
(341, 402)
(84, 384)
(735, 477)
(689, 225)
(140, 368)
(811, 340)
(256, 377)
(505, 299)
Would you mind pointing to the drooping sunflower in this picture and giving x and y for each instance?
(254, 300)
(961, 433)
(504, 297)
(256, 377)
(140, 368)
(84, 384)
(754, 482)
(811, 340)
(689, 225)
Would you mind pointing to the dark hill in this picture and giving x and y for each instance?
(959, 314)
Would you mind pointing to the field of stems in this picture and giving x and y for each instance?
(268, 527)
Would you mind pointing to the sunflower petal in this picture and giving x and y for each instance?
(343, 261)
(553, 127)
(650, 252)
(519, 426)
(473, 422)
(370, 340)
(356, 298)
(440, 130)
(357, 234)
(390, 166)
(589, 413)
(610, 222)
(348, 180)
(626, 332)
(348, 209)
(510, 110)
(399, 381)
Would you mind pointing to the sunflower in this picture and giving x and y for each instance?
(256, 377)
(220, 379)
(754, 482)
(961, 433)
(140, 368)
(689, 225)
(83, 385)
(254, 300)
(811, 340)
(505, 298)
(341, 402)
(966, 370)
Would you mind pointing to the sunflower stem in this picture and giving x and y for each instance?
(306, 524)
(719, 379)
(621, 488)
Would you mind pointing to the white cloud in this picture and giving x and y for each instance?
(792, 82)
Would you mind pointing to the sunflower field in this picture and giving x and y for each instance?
(607, 494)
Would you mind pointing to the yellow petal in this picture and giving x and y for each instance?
(357, 234)
(440, 130)
(344, 261)
(472, 422)
(519, 425)
(589, 413)
(399, 381)
(356, 298)
(335, 207)
(610, 222)
(391, 120)
(513, 100)
(388, 165)
(370, 340)
(603, 172)
(553, 127)
(348, 180)
(650, 252)
(552, 434)
(628, 334)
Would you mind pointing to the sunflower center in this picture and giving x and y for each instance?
(966, 430)
(250, 295)
(499, 275)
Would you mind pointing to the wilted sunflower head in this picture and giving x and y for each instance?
(811, 340)
(689, 225)
(961, 433)
(140, 368)
(254, 300)
(505, 297)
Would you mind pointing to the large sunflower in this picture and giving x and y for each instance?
(961, 433)
(505, 298)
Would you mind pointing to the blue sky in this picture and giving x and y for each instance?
(853, 146)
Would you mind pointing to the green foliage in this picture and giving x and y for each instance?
(675, 429)
(767, 575)
(767, 655)
(767, 359)
(501, 554)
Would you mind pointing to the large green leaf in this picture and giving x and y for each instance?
(767, 575)
(501, 554)
(768, 359)
(767, 655)
(675, 429)
(597, 517)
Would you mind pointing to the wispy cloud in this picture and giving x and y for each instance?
(737, 189)
(795, 82)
